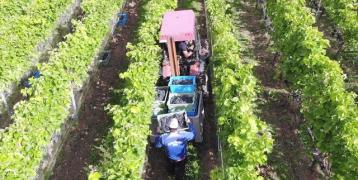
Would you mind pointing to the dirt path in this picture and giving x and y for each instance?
(288, 159)
(77, 152)
(206, 152)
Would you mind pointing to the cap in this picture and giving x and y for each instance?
(174, 123)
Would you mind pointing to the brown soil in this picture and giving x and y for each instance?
(93, 123)
(202, 21)
(289, 159)
(207, 151)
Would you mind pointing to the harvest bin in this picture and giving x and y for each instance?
(161, 94)
(159, 109)
(182, 84)
(105, 57)
(183, 102)
(165, 119)
(159, 106)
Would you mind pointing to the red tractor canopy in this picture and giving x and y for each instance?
(178, 24)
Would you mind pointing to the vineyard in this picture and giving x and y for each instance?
(87, 88)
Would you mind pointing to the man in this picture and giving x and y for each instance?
(186, 48)
(175, 144)
(186, 51)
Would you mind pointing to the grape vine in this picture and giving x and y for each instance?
(327, 107)
(125, 155)
(36, 121)
(344, 14)
(246, 140)
(21, 35)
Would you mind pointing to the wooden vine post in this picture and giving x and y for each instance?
(174, 64)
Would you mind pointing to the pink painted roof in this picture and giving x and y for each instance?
(179, 24)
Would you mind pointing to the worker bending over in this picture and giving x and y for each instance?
(175, 144)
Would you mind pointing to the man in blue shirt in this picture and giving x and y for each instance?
(175, 144)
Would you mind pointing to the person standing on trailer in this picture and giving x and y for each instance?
(175, 144)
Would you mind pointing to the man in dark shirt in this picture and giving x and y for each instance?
(186, 48)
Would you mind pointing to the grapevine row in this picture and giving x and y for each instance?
(128, 136)
(344, 14)
(36, 121)
(21, 36)
(11, 9)
(327, 107)
(245, 139)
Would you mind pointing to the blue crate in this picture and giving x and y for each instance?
(199, 107)
(122, 19)
(182, 88)
(195, 107)
(35, 74)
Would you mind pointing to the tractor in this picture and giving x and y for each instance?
(183, 80)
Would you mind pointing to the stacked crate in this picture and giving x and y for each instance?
(159, 106)
(183, 95)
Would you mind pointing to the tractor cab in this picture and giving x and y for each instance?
(183, 80)
(178, 29)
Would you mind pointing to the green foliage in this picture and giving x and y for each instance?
(23, 143)
(132, 118)
(344, 14)
(22, 33)
(245, 139)
(192, 167)
(195, 5)
(328, 108)
(95, 176)
(11, 10)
